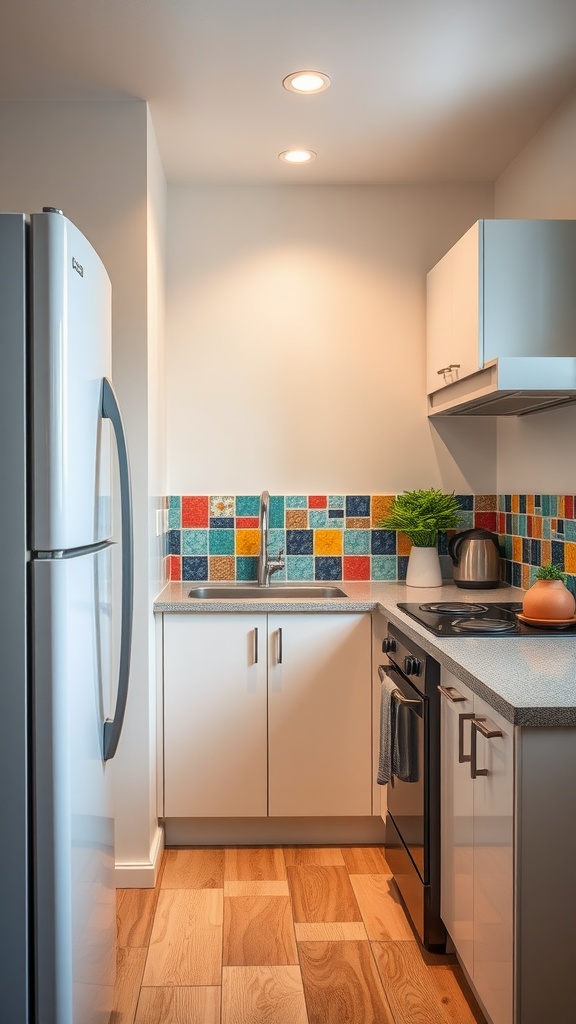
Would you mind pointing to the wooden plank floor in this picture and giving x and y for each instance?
(284, 935)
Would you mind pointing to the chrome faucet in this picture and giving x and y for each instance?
(266, 565)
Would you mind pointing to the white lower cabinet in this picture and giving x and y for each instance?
(477, 877)
(267, 714)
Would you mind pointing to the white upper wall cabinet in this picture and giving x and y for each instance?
(504, 292)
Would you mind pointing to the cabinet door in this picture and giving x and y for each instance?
(457, 811)
(494, 864)
(453, 314)
(215, 715)
(319, 706)
(438, 322)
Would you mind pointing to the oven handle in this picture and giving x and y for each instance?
(386, 670)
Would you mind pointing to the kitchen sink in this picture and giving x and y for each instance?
(281, 591)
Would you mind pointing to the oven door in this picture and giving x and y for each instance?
(408, 796)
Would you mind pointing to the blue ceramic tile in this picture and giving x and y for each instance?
(532, 576)
(174, 501)
(357, 542)
(466, 520)
(383, 567)
(296, 501)
(277, 511)
(507, 502)
(194, 542)
(173, 542)
(553, 505)
(357, 505)
(558, 553)
(442, 544)
(221, 542)
(508, 572)
(546, 528)
(526, 550)
(515, 529)
(276, 541)
(522, 525)
(509, 522)
(221, 522)
(318, 518)
(247, 505)
(516, 579)
(336, 501)
(465, 501)
(570, 530)
(402, 566)
(501, 502)
(174, 517)
(571, 584)
(383, 542)
(246, 568)
(536, 552)
(507, 546)
(328, 567)
(335, 513)
(300, 567)
(522, 503)
(194, 568)
(546, 505)
(559, 526)
(299, 542)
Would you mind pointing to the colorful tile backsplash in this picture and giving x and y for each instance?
(535, 529)
(324, 537)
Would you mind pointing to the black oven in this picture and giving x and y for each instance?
(413, 793)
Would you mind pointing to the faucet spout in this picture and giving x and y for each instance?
(266, 565)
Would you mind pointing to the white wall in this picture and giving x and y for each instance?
(295, 340)
(536, 453)
(90, 160)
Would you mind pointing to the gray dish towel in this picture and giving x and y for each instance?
(398, 738)
(388, 707)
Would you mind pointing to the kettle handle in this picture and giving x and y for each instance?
(453, 545)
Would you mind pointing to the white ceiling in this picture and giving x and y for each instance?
(422, 90)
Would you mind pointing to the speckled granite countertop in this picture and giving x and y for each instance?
(531, 681)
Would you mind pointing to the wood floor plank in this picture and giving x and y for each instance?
(322, 892)
(341, 984)
(330, 931)
(263, 995)
(380, 907)
(134, 916)
(175, 1005)
(129, 970)
(420, 993)
(258, 931)
(254, 864)
(313, 855)
(365, 860)
(186, 941)
(273, 888)
(198, 868)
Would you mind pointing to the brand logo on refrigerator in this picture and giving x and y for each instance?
(77, 267)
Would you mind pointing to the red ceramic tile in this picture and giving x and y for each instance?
(485, 521)
(569, 506)
(194, 512)
(247, 523)
(317, 501)
(356, 567)
(501, 522)
(174, 567)
(530, 525)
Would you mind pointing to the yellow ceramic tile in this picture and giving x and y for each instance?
(380, 507)
(561, 506)
(222, 567)
(517, 549)
(515, 502)
(536, 526)
(247, 542)
(327, 542)
(296, 519)
(525, 576)
(403, 544)
(570, 557)
(530, 504)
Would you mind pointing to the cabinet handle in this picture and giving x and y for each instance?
(452, 694)
(489, 732)
(462, 757)
(279, 646)
(256, 645)
(447, 369)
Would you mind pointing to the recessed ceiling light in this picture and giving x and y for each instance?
(297, 156)
(306, 82)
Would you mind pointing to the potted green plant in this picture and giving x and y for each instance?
(421, 515)
(549, 598)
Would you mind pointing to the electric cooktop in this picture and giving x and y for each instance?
(463, 618)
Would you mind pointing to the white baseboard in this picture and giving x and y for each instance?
(141, 874)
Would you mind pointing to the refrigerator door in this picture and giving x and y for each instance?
(71, 354)
(73, 807)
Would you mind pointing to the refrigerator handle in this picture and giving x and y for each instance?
(113, 727)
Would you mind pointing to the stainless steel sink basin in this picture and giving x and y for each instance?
(281, 591)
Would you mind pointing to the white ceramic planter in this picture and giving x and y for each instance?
(423, 568)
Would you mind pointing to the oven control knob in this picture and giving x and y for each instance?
(388, 645)
(411, 666)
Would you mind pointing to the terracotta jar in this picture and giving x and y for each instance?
(548, 599)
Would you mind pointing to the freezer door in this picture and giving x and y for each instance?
(73, 808)
(71, 353)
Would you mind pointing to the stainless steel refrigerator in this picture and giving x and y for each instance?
(65, 640)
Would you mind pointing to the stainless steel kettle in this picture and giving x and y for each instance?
(476, 558)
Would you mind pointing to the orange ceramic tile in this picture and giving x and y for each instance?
(515, 502)
(536, 526)
(174, 567)
(222, 567)
(568, 506)
(380, 506)
(546, 552)
(247, 523)
(525, 576)
(247, 542)
(358, 523)
(530, 504)
(570, 557)
(356, 567)
(560, 508)
(327, 542)
(296, 519)
(317, 501)
(517, 549)
(403, 544)
(194, 512)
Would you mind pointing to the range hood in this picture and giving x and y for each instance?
(509, 386)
